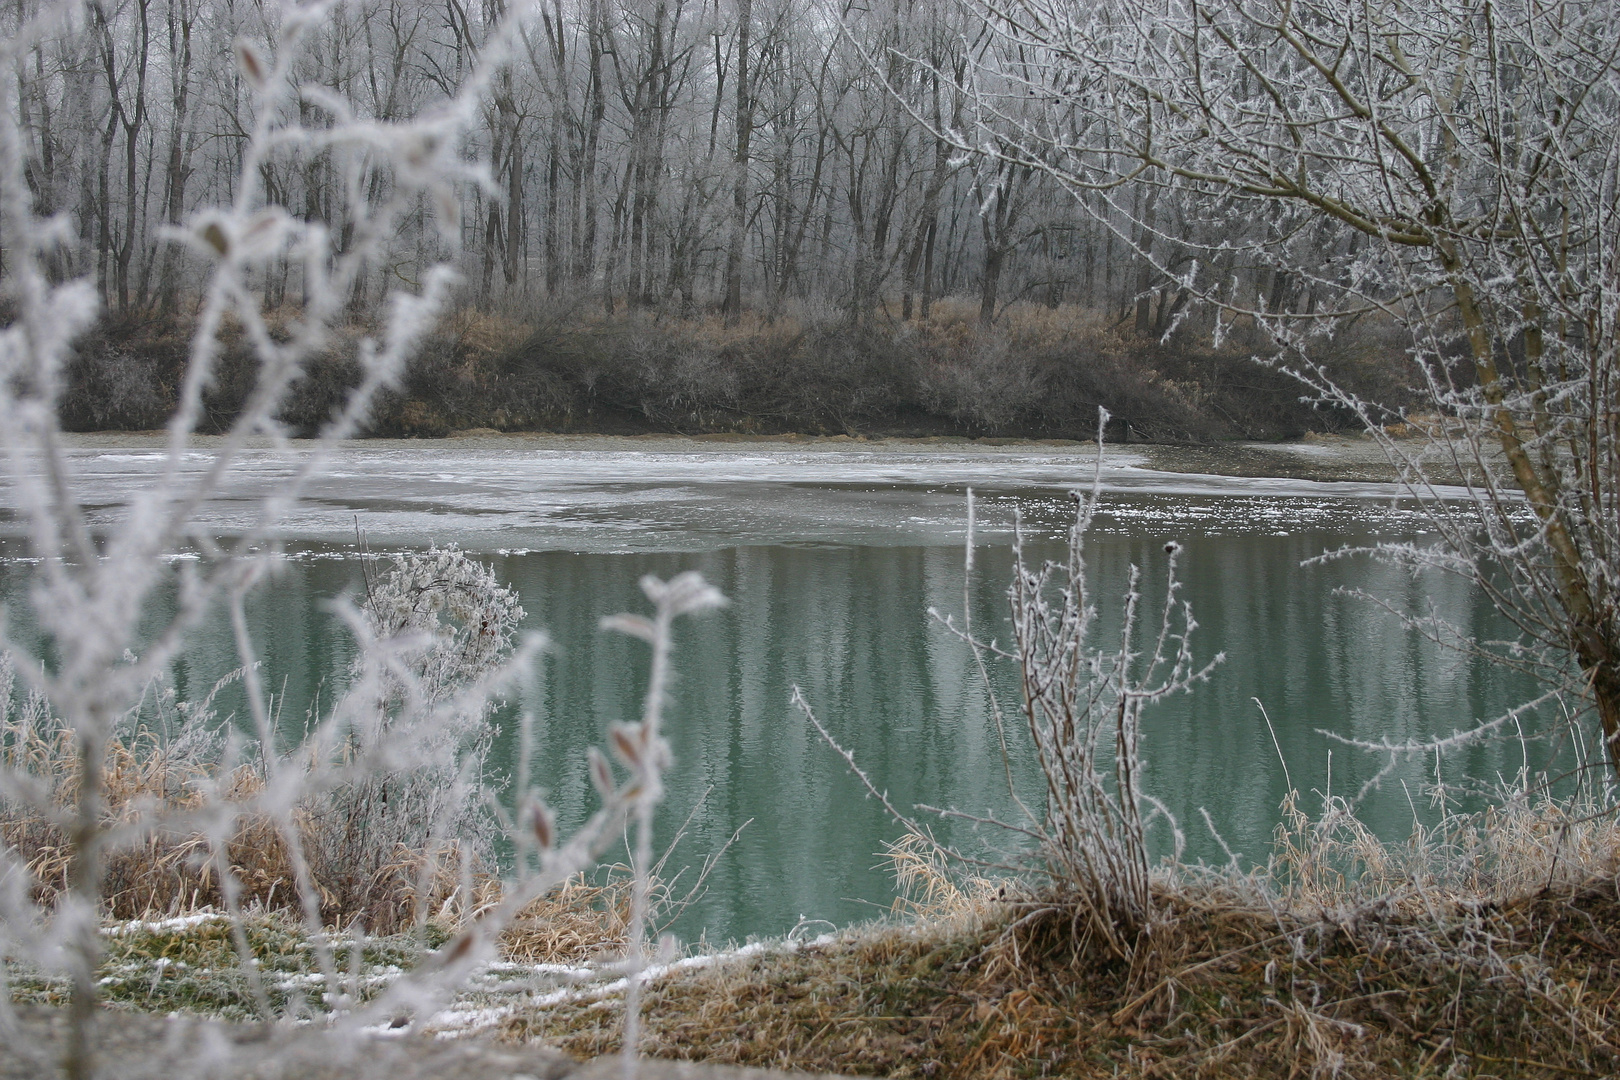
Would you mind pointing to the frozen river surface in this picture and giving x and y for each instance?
(833, 552)
(605, 494)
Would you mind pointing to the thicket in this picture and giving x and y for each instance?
(1040, 373)
(381, 847)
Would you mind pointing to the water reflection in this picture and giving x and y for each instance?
(849, 624)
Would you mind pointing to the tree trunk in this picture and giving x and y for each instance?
(1144, 277)
(732, 306)
(928, 270)
(516, 240)
(585, 264)
(990, 283)
(1593, 646)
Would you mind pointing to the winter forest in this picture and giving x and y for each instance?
(684, 215)
(675, 155)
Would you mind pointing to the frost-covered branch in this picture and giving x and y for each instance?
(382, 799)
(1444, 169)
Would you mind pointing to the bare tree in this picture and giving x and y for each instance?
(604, 139)
(1471, 150)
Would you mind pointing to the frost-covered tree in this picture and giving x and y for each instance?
(1448, 167)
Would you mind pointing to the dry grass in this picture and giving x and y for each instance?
(1524, 846)
(1349, 958)
(176, 871)
(1526, 989)
(576, 922)
(482, 331)
(158, 870)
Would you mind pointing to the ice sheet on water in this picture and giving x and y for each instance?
(540, 496)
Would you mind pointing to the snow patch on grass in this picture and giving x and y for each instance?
(163, 926)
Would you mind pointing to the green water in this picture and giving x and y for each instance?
(850, 626)
(849, 623)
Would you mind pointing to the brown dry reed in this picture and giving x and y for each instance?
(172, 872)
(178, 870)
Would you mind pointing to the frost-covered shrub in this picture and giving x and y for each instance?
(1081, 707)
(1084, 832)
(446, 622)
(464, 619)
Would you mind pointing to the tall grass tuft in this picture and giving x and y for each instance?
(1081, 706)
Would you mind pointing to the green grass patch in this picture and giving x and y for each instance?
(196, 965)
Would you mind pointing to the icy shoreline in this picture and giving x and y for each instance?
(1323, 458)
(495, 493)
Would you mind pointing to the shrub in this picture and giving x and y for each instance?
(1039, 373)
(369, 843)
(1081, 708)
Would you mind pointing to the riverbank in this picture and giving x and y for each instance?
(1038, 373)
(987, 989)
(1224, 988)
(1490, 948)
(1237, 978)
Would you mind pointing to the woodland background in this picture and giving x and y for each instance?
(697, 215)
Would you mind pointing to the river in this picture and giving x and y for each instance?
(832, 553)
